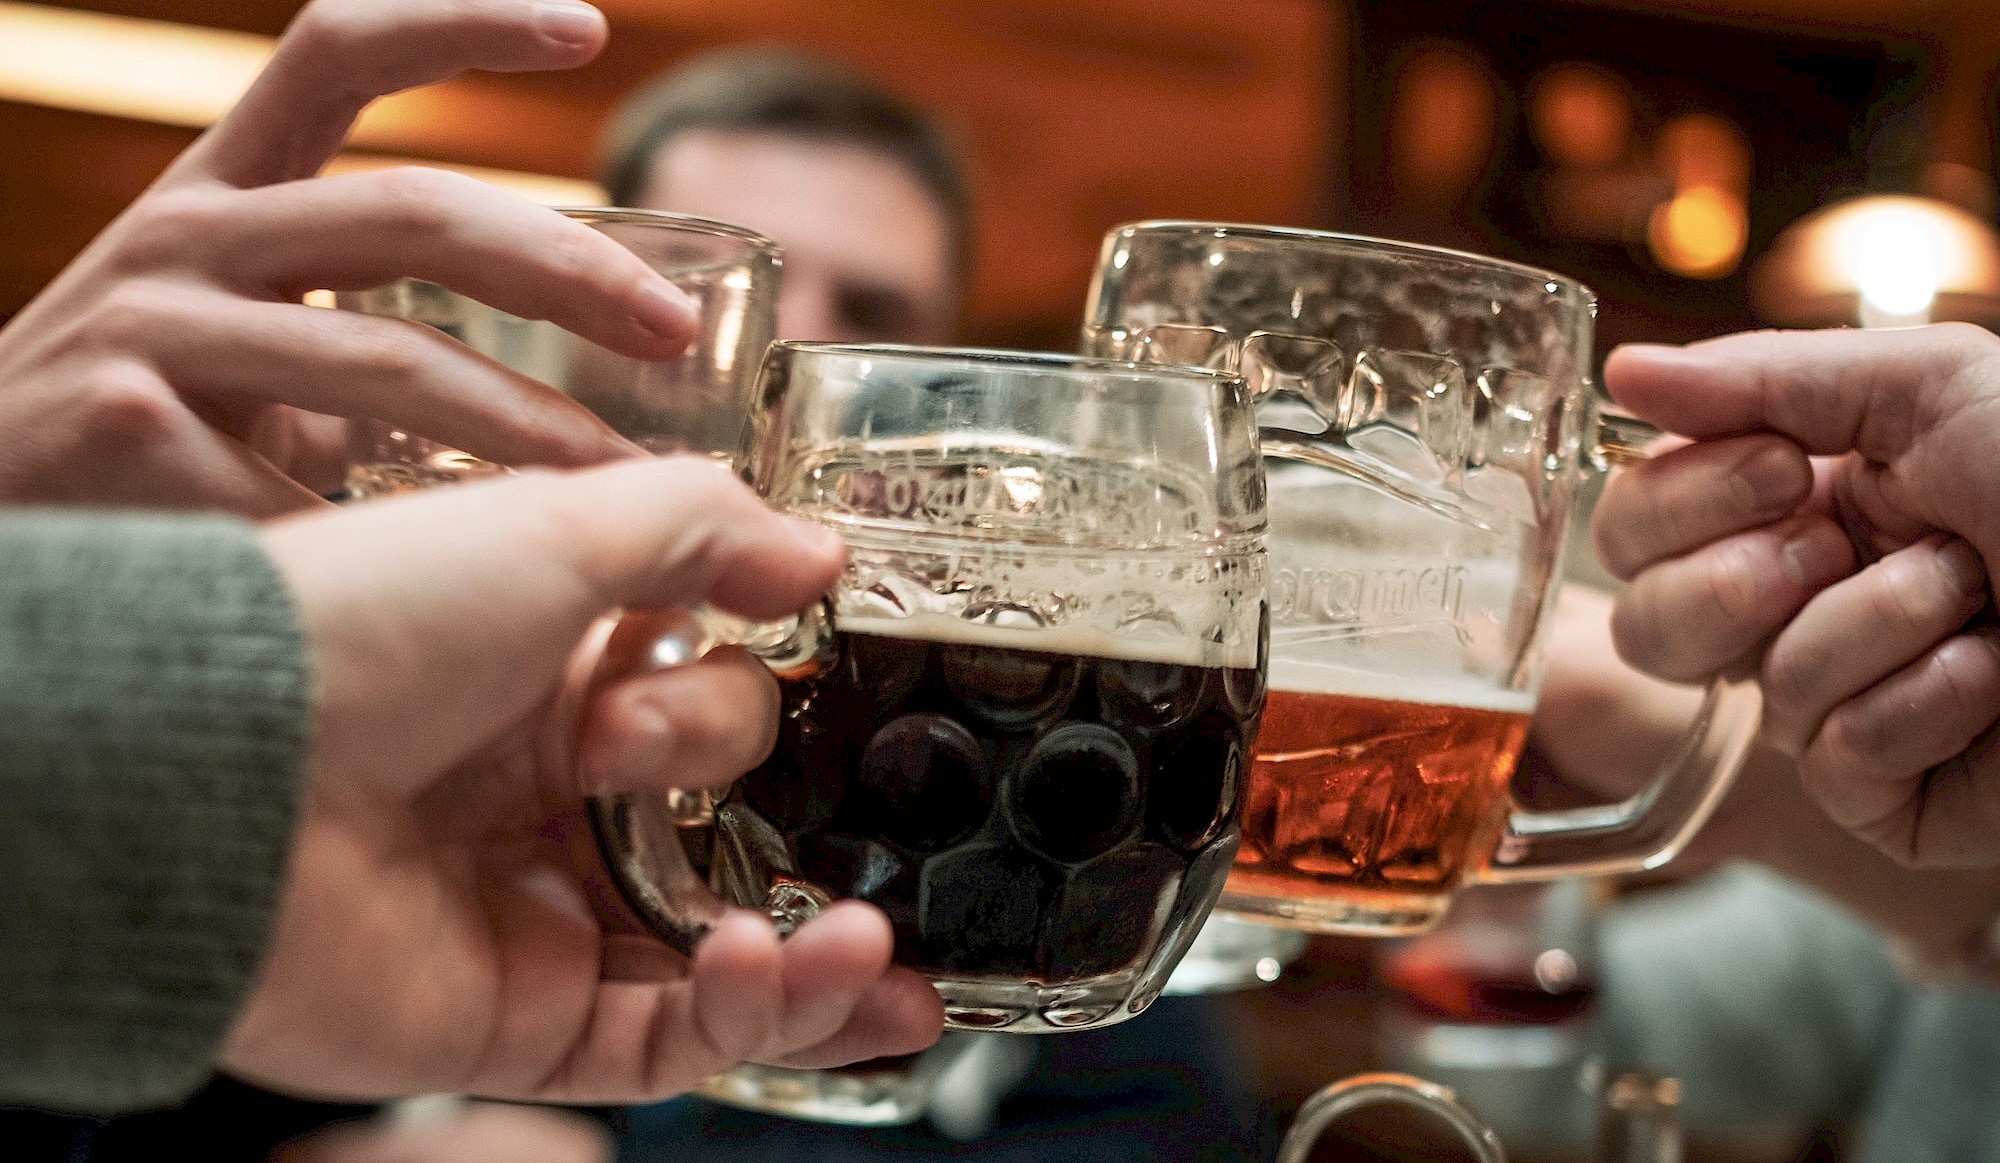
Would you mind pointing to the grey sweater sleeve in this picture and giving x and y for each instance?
(154, 719)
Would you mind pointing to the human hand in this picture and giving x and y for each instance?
(169, 365)
(435, 934)
(1883, 682)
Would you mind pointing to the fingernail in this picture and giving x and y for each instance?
(665, 310)
(1816, 555)
(569, 24)
(1961, 566)
(1772, 475)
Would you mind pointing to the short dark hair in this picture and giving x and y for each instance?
(774, 90)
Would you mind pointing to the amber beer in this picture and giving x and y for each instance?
(1380, 805)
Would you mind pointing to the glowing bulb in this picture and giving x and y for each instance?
(1893, 257)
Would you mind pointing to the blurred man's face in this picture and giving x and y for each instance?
(867, 252)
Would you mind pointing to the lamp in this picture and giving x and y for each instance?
(1882, 260)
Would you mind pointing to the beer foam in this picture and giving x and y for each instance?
(1088, 641)
(1291, 674)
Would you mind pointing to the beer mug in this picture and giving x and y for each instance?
(1365, 1097)
(1426, 421)
(1018, 723)
(696, 402)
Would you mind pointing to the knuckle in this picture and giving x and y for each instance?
(1964, 675)
(162, 228)
(1790, 673)
(575, 252)
(1636, 631)
(128, 403)
(1731, 586)
(419, 200)
(396, 353)
(146, 309)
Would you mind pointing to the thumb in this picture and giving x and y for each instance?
(436, 621)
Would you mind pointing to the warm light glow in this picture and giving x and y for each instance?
(1893, 254)
(1883, 260)
(147, 70)
(1700, 149)
(176, 74)
(1580, 116)
(1699, 232)
(1444, 117)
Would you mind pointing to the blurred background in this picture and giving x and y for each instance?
(1657, 149)
(1705, 165)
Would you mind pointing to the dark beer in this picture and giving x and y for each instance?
(1044, 814)
(1379, 805)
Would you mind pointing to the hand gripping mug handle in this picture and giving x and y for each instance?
(1649, 829)
(643, 835)
(1348, 1095)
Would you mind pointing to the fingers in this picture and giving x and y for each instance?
(843, 1002)
(681, 531)
(698, 725)
(825, 996)
(1910, 764)
(1695, 494)
(235, 354)
(1833, 391)
(1688, 618)
(1908, 602)
(363, 230)
(435, 620)
(899, 1014)
(338, 56)
(113, 432)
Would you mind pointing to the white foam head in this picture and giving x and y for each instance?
(1457, 690)
(1085, 640)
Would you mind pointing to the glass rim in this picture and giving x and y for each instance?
(628, 216)
(1363, 241)
(1008, 359)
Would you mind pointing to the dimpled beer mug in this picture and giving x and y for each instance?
(1426, 421)
(696, 402)
(1017, 724)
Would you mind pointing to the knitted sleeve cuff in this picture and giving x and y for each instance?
(155, 709)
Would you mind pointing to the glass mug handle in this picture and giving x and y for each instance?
(1348, 1095)
(1650, 828)
(644, 833)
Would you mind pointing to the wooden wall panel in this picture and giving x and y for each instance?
(1077, 116)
